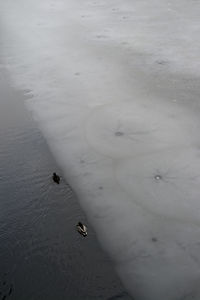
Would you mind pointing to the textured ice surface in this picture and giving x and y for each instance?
(115, 88)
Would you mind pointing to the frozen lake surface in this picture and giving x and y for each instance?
(115, 89)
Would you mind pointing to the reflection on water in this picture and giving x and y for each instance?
(41, 254)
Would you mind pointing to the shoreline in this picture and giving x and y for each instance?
(39, 229)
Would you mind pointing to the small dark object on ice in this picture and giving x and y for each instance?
(82, 229)
(56, 178)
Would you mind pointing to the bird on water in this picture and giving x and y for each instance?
(82, 229)
(56, 178)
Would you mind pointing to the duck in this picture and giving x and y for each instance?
(82, 229)
(56, 178)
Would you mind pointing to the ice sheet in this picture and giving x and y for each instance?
(115, 89)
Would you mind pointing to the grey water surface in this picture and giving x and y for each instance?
(41, 254)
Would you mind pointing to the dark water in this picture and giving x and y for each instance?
(41, 254)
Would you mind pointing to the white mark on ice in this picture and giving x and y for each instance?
(158, 177)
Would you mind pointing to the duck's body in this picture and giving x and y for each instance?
(82, 229)
(56, 178)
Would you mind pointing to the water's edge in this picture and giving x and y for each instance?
(42, 256)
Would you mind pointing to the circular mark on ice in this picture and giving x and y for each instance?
(154, 239)
(158, 177)
(177, 194)
(119, 133)
(27, 91)
(141, 129)
(162, 62)
(101, 36)
(124, 43)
